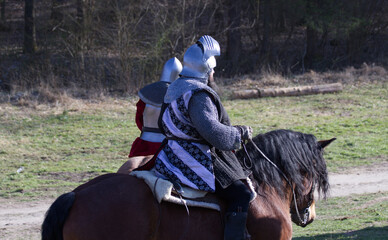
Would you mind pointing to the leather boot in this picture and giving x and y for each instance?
(235, 226)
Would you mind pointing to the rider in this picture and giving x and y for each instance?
(148, 110)
(201, 140)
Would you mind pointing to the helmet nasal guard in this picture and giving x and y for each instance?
(171, 70)
(199, 59)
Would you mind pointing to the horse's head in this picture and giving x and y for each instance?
(303, 211)
(300, 169)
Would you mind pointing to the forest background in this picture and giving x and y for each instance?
(117, 46)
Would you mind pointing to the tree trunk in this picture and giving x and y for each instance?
(291, 91)
(29, 27)
(2, 13)
(56, 14)
(311, 46)
(255, 12)
(234, 35)
(266, 29)
(314, 40)
(80, 11)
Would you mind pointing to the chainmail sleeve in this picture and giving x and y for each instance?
(204, 116)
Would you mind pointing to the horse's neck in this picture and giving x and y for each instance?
(268, 201)
(270, 212)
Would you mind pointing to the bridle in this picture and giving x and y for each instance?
(306, 211)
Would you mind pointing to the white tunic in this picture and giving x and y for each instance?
(185, 159)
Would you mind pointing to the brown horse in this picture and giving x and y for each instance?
(119, 206)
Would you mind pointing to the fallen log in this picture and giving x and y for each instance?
(290, 91)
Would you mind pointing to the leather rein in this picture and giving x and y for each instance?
(249, 166)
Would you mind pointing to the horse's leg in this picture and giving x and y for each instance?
(120, 207)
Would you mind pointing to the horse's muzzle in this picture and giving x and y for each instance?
(304, 215)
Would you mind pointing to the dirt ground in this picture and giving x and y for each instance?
(22, 220)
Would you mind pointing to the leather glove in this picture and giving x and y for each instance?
(245, 131)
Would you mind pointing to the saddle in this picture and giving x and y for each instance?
(164, 190)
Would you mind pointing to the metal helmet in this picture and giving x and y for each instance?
(171, 70)
(199, 59)
(153, 93)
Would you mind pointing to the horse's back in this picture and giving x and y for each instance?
(115, 207)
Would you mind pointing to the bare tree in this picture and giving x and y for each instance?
(29, 27)
(2, 13)
(266, 16)
(234, 45)
(56, 14)
(80, 10)
(311, 46)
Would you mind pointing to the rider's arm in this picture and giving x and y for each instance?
(204, 116)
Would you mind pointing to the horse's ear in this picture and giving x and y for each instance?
(323, 143)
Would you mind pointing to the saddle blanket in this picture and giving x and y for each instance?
(163, 190)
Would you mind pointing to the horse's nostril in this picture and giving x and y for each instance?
(305, 217)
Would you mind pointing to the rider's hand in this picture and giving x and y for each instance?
(245, 131)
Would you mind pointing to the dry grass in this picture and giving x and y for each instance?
(76, 99)
(45, 102)
(350, 76)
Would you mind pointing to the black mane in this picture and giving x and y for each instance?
(297, 154)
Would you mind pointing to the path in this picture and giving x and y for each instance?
(22, 220)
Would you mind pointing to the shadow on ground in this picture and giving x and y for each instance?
(370, 233)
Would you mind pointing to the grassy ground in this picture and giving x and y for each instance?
(59, 147)
(355, 217)
(357, 117)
